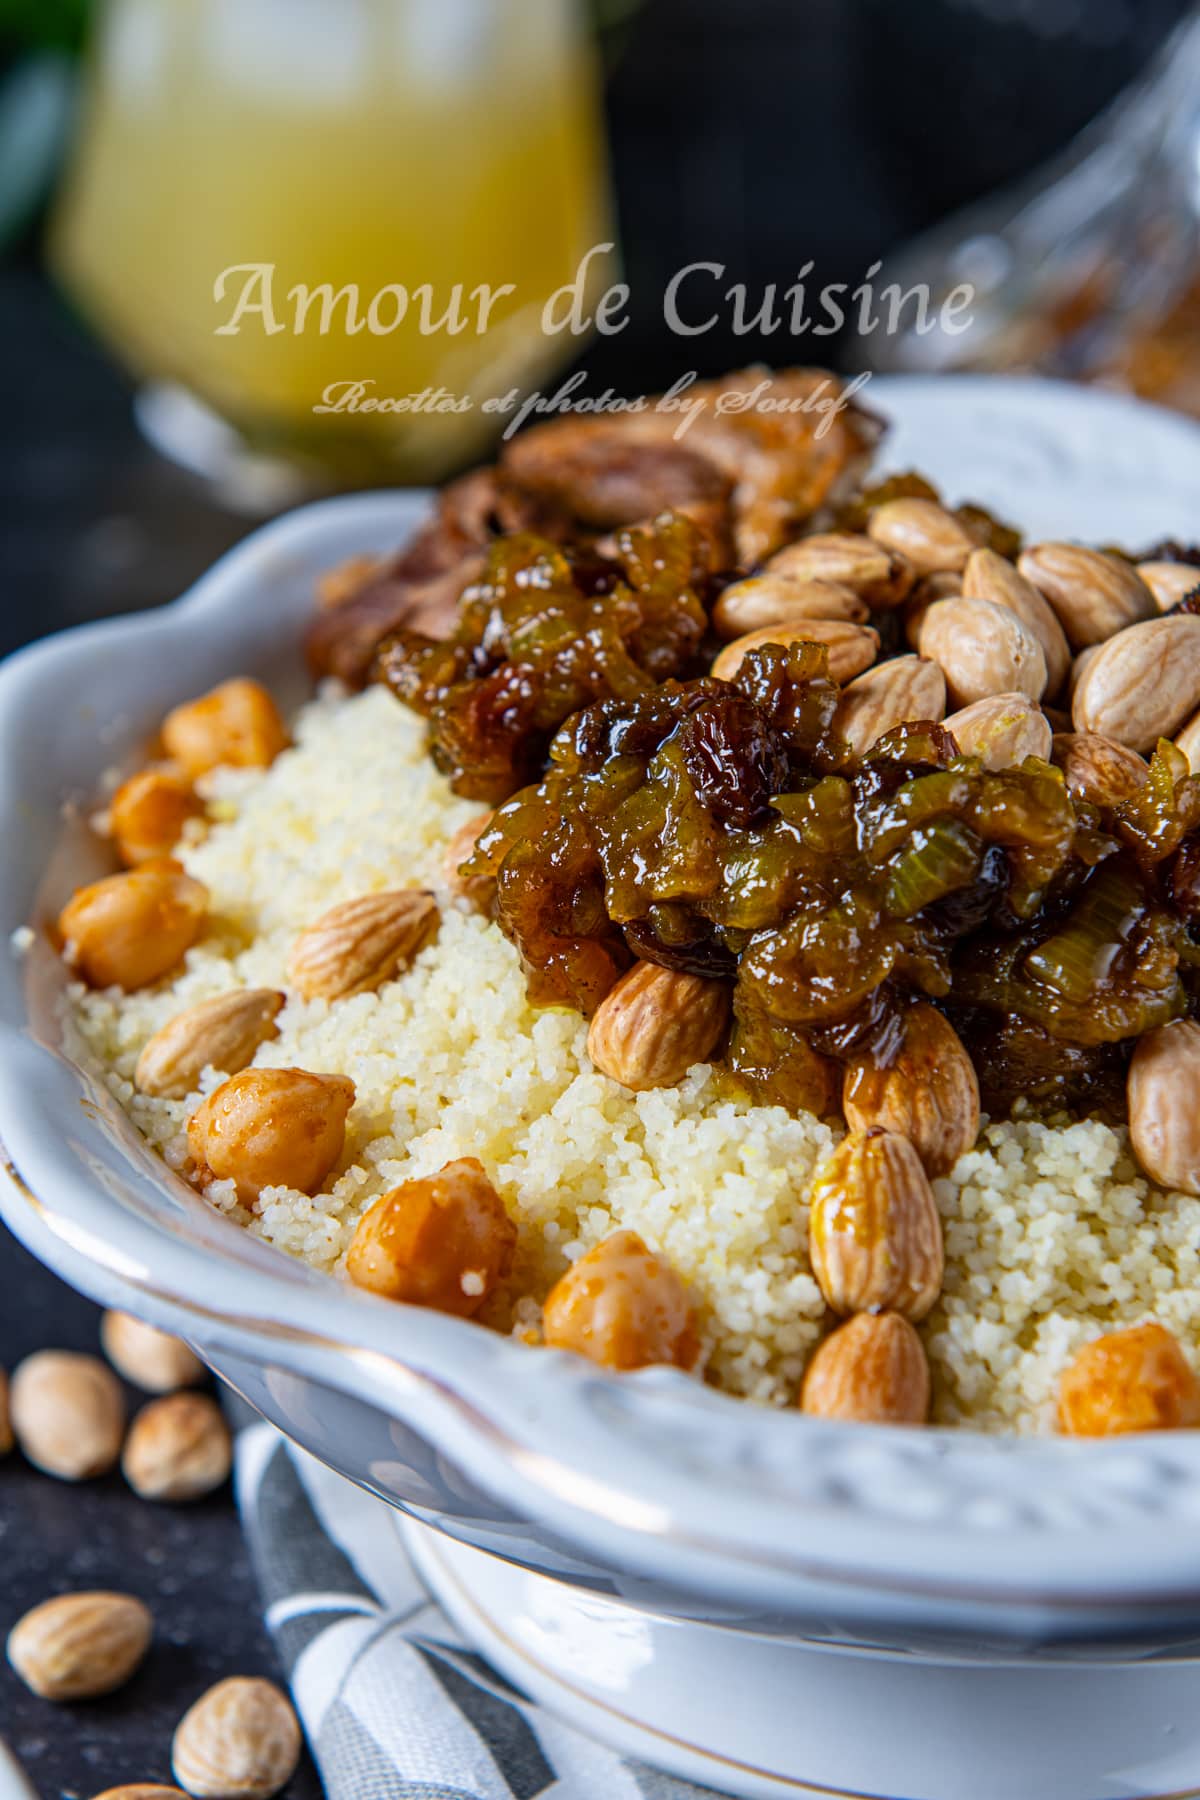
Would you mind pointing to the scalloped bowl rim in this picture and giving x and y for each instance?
(1006, 1517)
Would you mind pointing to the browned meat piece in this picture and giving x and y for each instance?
(772, 464)
(592, 470)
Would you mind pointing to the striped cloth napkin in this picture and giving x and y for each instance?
(395, 1705)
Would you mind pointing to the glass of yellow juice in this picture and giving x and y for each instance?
(330, 228)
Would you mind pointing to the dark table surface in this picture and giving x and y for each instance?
(91, 522)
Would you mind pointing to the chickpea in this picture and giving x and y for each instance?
(623, 1307)
(1134, 1380)
(128, 930)
(148, 814)
(443, 1241)
(237, 725)
(271, 1128)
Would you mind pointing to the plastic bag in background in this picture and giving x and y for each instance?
(1090, 270)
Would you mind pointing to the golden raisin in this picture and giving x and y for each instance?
(128, 930)
(624, 1307)
(1134, 1380)
(237, 725)
(442, 1241)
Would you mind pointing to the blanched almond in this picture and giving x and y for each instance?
(240, 1741)
(1169, 582)
(1098, 768)
(984, 650)
(178, 1448)
(875, 1238)
(850, 559)
(929, 538)
(990, 577)
(68, 1414)
(892, 693)
(928, 1093)
(1142, 684)
(1003, 731)
(1133, 1380)
(851, 648)
(931, 588)
(221, 1034)
(651, 1028)
(1163, 1092)
(79, 1646)
(150, 1358)
(354, 948)
(1094, 594)
(769, 599)
(872, 1369)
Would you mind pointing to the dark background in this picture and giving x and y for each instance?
(760, 134)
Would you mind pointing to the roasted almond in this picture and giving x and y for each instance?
(1163, 1093)
(928, 1092)
(1188, 740)
(1098, 768)
(655, 1024)
(1002, 731)
(150, 1358)
(240, 1741)
(990, 577)
(221, 1034)
(874, 1235)
(1169, 582)
(850, 559)
(851, 648)
(770, 599)
(983, 649)
(933, 587)
(79, 1646)
(354, 948)
(1094, 594)
(68, 1414)
(178, 1448)
(478, 889)
(930, 539)
(872, 1369)
(892, 693)
(1142, 684)
(1134, 1380)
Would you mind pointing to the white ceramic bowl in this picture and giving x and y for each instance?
(649, 1486)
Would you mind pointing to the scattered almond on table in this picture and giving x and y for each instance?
(68, 1414)
(240, 1741)
(149, 1358)
(79, 1646)
(178, 1449)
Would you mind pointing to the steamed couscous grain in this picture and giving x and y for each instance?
(1051, 1234)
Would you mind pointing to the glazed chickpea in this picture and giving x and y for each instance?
(271, 1128)
(128, 930)
(148, 814)
(624, 1307)
(443, 1241)
(1134, 1380)
(237, 725)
